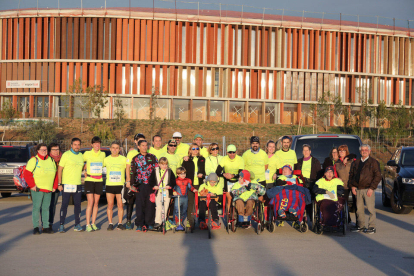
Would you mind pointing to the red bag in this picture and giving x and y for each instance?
(153, 195)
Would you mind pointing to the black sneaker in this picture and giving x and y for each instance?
(110, 227)
(157, 225)
(357, 229)
(120, 227)
(47, 231)
(370, 230)
(36, 231)
(50, 228)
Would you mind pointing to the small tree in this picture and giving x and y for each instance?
(152, 109)
(7, 113)
(119, 115)
(77, 97)
(399, 116)
(367, 109)
(381, 114)
(42, 130)
(322, 109)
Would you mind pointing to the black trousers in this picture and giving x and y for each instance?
(214, 205)
(130, 198)
(145, 209)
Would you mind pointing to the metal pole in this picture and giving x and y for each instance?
(303, 14)
(198, 11)
(377, 23)
(283, 13)
(220, 11)
(263, 15)
(242, 15)
(394, 25)
(224, 146)
(340, 21)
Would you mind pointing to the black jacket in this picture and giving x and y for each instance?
(189, 167)
(169, 179)
(315, 168)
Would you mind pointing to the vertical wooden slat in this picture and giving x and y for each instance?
(58, 67)
(113, 39)
(33, 37)
(26, 74)
(15, 37)
(51, 81)
(107, 25)
(154, 40)
(76, 38)
(78, 66)
(148, 54)
(27, 42)
(289, 45)
(112, 78)
(131, 39)
(101, 38)
(21, 38)
(214, 42)
(45, 76)
(4, 45)
(328, 51)
(167, 43)
(82, 38)
(70, 38)
(122, 51)
(193, 43)
(118, 84)
(148, 80)
(105, 73)
(179, 42)
(134, 77)
(137, 29)
(71, 73)
(91, 76)
(64, 76)
(230, 46)
(85, 75)
(160, 40)
(127, 78)
(88, 38)
(312, 50)
(299, 49)
(294, 48)
(63, 39)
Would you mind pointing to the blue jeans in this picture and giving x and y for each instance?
(182, 208)
(77, 199)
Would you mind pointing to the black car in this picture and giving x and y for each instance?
(12, 157)
(398, 187)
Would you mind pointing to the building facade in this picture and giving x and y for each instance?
(202, 67)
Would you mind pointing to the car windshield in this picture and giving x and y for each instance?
(321, 147)
(12, 154)
(407, 158)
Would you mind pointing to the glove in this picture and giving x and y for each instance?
(330, 194)
(248, 186)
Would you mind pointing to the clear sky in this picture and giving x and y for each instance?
(402, 9)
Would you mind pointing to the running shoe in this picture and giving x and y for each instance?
(281, 214)
(120, 227)
(139, 229)
(47, 231)
(293, 212)
(61, 228)
(281, 224)
(188, 224)
(110, 227)
(89, 228)
(150, 228)
(357, 229)
(128, 225)
(36, 231)
(370, 230)
(78, 228)
(94, 227)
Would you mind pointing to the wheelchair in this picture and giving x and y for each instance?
(209, 219)
(257, 217)
(318, 227)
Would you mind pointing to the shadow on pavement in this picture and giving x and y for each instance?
(12, 213)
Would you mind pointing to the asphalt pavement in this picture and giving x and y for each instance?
(286, 252)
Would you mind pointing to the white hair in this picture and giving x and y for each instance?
(365, 146)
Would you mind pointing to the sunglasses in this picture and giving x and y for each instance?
(215, 149)
(195, 148)
(174, 146)
(177, 138)
(232, 152)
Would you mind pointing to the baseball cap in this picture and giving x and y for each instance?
(139, 135)
(212, 177)
(177, 134)
(254, 139)
(330, 168)
(198, 136)
(231, 148)
(172, 141)
(245, 174)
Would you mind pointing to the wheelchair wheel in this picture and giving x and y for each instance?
(234, 219)
(345, 218)
(259, 228)
(303, 227)
(271, 227)
(314, 216)
(209, 224)
(319, 230)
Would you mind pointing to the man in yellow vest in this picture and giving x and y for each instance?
(285, 155)
(156, 148)
(198, 139)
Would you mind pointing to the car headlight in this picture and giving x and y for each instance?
(408, 180)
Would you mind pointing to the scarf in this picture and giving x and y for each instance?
(57, 157)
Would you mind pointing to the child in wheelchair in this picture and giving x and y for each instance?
(245, 194)
(210, 187)
(328, 190)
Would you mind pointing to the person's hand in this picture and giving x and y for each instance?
(155, 188)
(345, 160)
(274, 177)
(33, 189)
(168, 187)
(86, 175)
(53, 190)
(175, 193)
(200, 175)
(228, 175)
(354, 189)
(60, 188)
(128, 185)
(185, 158)
(330, 194)
(369, 192)
(248, 186)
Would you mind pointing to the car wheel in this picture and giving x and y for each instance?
(6, 194)
(385, 200)
(396, 206)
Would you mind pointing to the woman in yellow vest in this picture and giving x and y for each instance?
(271, 170)
(327, 190)
(40, 175)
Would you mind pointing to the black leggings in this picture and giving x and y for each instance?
(77, 198)
(214, 205)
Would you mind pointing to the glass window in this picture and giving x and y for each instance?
(199, 110)
(290, 114)
(306, 115)
(162, 109)
(23, 104)
(42, 106)
(126, 103)
(141, 108)
(79, 107)
(272, 113)
(182, 110)
(217, 111)
(255, 112)
(236, 113)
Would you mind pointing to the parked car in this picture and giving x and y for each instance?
(321, 145)
(12, 157)
(398, 187)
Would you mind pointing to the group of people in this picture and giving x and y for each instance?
(159, 180)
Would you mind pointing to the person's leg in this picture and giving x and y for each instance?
(184, 208)
(190, 207)
(52, 209)
(109, 209)
(46, 197)
(64, 207)
(95, 209)
(249, 207)
(213, 209)
(158, 207)
(360, 212)
(176, 210)
(77, 200)
(120, 208)
(370, 202)
(130, 206)
(89, 207)
(139, 209)
(240, 207)
(202, 208)
(149, 210)
(166, 207)
(37, 202)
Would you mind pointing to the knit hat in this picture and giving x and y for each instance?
(254, 139)
(212, 177)
(231, 148)
(288, 166)
(245, 174)
(330, 168)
